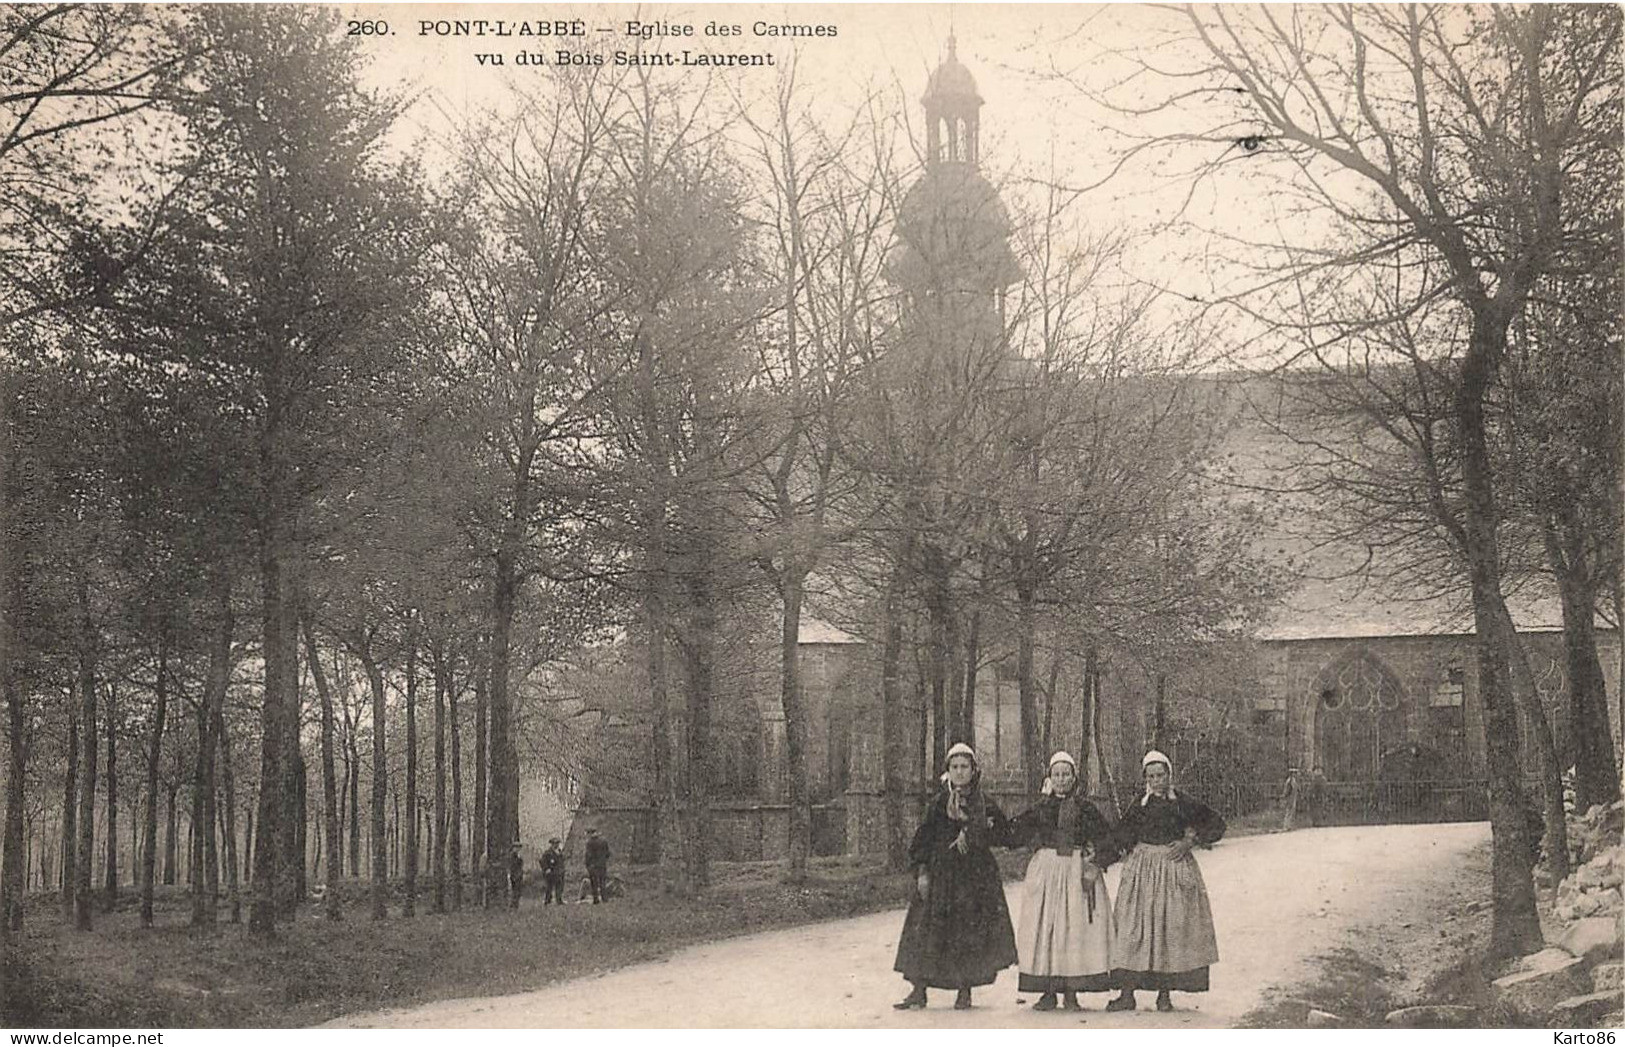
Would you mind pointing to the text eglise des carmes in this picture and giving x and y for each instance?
(641, 30)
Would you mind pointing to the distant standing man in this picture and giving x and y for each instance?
(516, 875)
(552, 863)
(597, 864)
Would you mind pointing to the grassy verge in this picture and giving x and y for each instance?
(1343, 982)
(174, 977)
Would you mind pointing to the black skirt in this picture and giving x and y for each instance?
(958, 935)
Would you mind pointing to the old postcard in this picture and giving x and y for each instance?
(735, 516)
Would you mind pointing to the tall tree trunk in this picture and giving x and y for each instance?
(14, 869)
(502, 815)
(455, 822)
(795, 718)
(339, 866)
(1048, 745)
(409, 904)
(440, 688)
(352, 770)
(205, 875)
(87, 783)
(171, 832)
(702, 679)
(149, 849)
(233, 866)
(70, 818)
(1515, 926)
(667, 844)
(940, 609)
(891, 722)
(1617, 595)
(1159, 713)
(380, 780)
(395, 833)
(1032, 755)
(1091, 678)
(11, 891)
(110, 866)
(482, 683)
(298, 813)
(973, 656)
(1550, 771)
(1596, 775)
(14, 872)
(274, 887)
(330, 802)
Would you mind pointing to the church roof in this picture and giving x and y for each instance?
(1339, 589)
(817, 631)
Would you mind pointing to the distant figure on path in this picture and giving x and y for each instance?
(1064, 935)
(1291, 794)
(552, 863)
(1164, 928)
(597, 864)
(516, 875)
(957, 934)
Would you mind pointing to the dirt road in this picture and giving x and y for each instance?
(1277, 900)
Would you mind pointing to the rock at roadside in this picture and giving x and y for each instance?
(1609, 977)
(1601, 871)
(1584, 1011)
(1593, 939)
(1434, 1016)
(1551, 974)
(1323, 1020)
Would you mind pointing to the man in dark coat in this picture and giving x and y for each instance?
(597, 864)
(552, 863)
(516, 875)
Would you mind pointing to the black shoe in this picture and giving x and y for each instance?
(1069, 1002)
(1164, 1001)
(1124, 1002)
(915, 1000)
(962, 1001)
(1045, 1002)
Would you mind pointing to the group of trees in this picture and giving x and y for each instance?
(1443, 191)
(294, 432)
(294, 441)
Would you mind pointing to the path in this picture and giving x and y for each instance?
(1277, 900)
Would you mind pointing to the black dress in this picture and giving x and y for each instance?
(958, 935)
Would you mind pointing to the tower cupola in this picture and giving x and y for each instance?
(952, 107)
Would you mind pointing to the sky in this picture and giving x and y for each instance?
(1034, 124)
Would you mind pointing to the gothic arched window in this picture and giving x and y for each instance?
(1359, 715)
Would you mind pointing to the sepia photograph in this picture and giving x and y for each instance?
(907, 517)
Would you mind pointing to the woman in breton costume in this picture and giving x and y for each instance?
(957, 933)
(1164, 924)
(1064, 936)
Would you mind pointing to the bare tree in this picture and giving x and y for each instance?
(1434, 144)
(826, 228)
